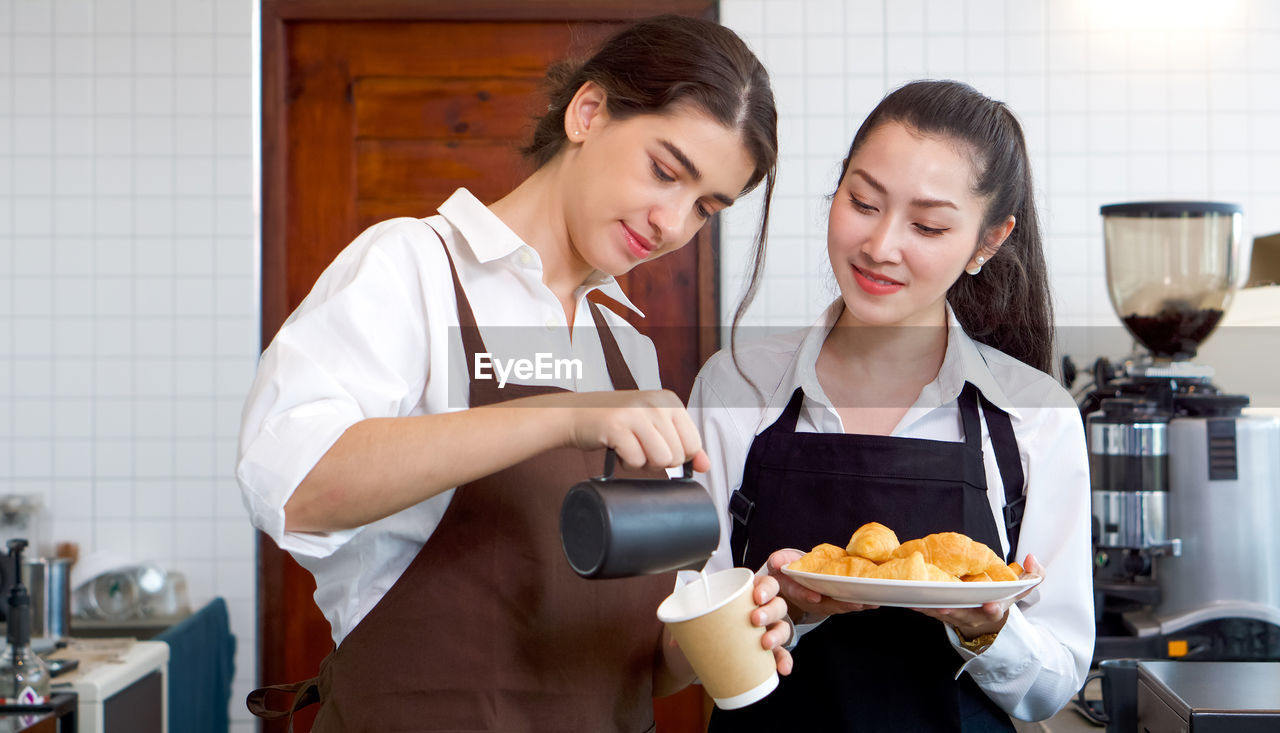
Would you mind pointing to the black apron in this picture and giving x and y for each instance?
(889, 669)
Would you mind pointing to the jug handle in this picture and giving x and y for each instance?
(610, 458)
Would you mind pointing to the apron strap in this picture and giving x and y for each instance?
(742, 500)
(619, 373)
(305, 693)
(967, 403)
(1005, 446)
(740, 506)
(786, 422)
(472, 343)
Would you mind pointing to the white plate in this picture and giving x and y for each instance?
(911, 593)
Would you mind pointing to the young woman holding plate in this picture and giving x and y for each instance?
(919, 400)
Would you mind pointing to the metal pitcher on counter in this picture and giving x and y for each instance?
(48, 582)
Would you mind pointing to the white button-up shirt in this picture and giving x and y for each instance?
(378, 337)
(1040, 659)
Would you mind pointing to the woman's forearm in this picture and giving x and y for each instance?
(381, 466)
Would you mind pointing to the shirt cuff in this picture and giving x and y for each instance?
(306, 544)
(268, 464)
(802, 629)
(1006, 658)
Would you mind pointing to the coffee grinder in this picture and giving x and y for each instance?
(1185, 482)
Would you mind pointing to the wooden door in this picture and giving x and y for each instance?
(381, 108)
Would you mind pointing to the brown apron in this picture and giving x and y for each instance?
(489, 628)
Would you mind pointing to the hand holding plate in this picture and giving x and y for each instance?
(990, 617)
(807, 605)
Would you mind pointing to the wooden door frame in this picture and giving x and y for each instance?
(275, 17)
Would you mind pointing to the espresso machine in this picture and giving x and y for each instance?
(1185, 480)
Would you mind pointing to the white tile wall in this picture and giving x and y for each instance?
(128, 317)
(128, 324)
(1121, 100)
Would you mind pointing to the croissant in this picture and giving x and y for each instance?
(912, 567)
(954, 553)
(996, 572)
(817, 558)
(874, 552)
(935, 574)
(874, 541)
(850, 566)
(828, 550)
(1001, 572)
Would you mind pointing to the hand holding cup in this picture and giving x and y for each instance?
(716, 619)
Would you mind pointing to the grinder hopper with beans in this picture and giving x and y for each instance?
(1183, 473)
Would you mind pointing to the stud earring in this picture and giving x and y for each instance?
(977, 268)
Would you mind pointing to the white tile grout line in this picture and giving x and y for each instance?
(53, 239)
(93, 281)
(173, 281)
(133, 254)
(13, 245)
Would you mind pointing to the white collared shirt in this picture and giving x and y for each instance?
(378, 337)
(1040, 659)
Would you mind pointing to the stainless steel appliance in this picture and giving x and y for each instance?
(1208, 697)
(1185, 480)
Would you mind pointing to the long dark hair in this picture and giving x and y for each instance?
(658, 62)
(1007, 305)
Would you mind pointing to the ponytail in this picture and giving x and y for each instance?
(1008, 305)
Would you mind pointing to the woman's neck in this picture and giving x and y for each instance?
(874, 374)
(890, 353)
(534, 210)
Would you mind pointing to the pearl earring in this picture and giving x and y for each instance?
(978, 268)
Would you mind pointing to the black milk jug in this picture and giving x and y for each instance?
(623, 527)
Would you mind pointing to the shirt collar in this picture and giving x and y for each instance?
(487, 236)
(490, 239)
(608, 285)
(802, 372)
(962, 362)
(806, 361)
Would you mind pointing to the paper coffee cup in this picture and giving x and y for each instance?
(710, 619)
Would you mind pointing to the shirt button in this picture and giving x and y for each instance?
(551, 324)
(525, 257)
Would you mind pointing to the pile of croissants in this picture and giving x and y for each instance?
(874, 552)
